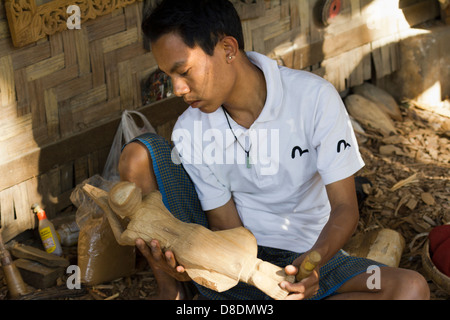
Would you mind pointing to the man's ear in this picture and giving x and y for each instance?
(230, 47)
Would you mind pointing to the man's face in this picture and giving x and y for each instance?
(203, 81)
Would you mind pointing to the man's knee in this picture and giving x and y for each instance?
(421, 290)
(409, 285)
(135, 165)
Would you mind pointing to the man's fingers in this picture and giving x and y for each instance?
(151, 253)
(143, 248)
(306, 288)
(140, 244)
(291, 270)
(163, 261)
(297, 287)
(170, 259)
(295, 296)
(156, 251)
(181, 269)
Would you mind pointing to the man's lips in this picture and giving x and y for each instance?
(193, 103)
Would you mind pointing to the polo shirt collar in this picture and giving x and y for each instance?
(273, 100)
(274, 86)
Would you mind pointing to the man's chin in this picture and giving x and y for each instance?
(208, 109)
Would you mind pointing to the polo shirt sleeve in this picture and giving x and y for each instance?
(211, 192)
(334, 139)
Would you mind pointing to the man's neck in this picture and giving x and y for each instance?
(249, 96)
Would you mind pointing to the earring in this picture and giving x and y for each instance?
(230, 58)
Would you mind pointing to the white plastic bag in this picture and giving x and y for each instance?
(127, 130)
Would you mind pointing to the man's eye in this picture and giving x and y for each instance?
(184, 74)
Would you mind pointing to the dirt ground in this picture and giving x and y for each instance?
(411, 182)
(409, 193)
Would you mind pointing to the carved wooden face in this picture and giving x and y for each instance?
(125, 198)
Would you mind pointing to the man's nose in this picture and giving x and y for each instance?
(180, 87)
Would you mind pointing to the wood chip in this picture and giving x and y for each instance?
(391, 149)
(400, 203)
(113, 296)
(409, 180)
(411, 204)
(395, 139)
(428, 198)
(429, 221)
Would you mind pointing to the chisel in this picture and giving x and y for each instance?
(308, 265)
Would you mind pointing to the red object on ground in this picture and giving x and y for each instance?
(439, 239)
(441, 257)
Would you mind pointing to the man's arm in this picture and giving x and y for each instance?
(224, 217)
(342, 223)
(343, 220)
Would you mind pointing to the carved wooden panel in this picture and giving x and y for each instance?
(29, 22)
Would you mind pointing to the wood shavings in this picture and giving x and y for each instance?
(410, 182)
(114, 296)
(428, 198)
(411, 179)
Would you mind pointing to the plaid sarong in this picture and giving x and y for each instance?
(180, 198)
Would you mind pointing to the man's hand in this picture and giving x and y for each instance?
(304, 289)
(163, 261)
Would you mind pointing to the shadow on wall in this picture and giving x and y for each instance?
(401, 54)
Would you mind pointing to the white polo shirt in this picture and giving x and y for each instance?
(302, 141)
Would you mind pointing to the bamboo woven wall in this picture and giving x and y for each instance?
(61, 97)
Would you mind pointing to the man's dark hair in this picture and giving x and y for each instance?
(198, 22)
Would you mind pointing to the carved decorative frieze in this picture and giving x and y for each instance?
(29, 22)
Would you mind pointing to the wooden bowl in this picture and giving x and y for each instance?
(440, 279)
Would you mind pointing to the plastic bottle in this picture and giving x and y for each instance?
(68, 233)
(47, 232)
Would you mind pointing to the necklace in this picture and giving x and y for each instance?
(247, 159)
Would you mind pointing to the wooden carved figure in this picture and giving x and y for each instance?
(215, 259)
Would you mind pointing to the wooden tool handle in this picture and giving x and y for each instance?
(308, 265)
(14, 281)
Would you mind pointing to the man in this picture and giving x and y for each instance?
(266, 147)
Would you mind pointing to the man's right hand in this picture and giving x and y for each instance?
(163, 261)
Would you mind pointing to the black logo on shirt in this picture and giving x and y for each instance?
(344, 143)
(300, 151)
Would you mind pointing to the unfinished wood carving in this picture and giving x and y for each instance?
(29, 22)
(216, 260)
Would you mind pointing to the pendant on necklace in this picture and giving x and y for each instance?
(248, 160)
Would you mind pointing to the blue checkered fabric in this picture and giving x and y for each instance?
(333, 275)
(180, 198)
